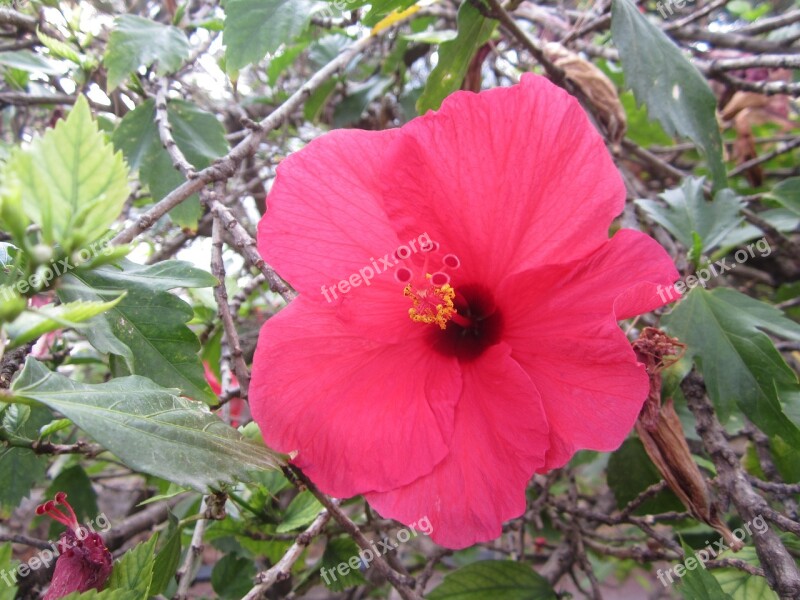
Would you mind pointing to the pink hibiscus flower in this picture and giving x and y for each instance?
(456, 326)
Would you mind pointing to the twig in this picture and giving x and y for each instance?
(735, 563)
(769, 61)
(247, 246)
(12, 17)
(732, 40)
(664, 169)
(765, 87)
(233, 346)
(402, 583)
(25, 540)
(698, 14)
(786, 260)
(225, 167)
(782, 521)
(179, 161)
(11, 362)
(17, 19)
(499, 13)
(781, 149)
(766, 24)
(22, 99)
(282, 569)
(186, 573)
(648, 493)
(244, 293)
(143, 520)
(79, 447)
(427, 572)
(781, 489)
(780, 569)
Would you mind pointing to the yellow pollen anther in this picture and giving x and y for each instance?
(433, 304)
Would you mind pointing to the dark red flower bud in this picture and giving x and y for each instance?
(84, 563)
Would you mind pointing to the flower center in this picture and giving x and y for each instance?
(431, 296)
(467, 316)
(476, 326)
(432, 303)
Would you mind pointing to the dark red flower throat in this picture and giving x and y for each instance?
(476, 326)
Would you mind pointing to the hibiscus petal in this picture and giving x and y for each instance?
(500, 439)
(325, 221)
(561, 323)
(362, 415)
(509, 179)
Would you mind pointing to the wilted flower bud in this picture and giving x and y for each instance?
(84, 563)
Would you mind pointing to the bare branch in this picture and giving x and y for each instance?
(282, 569)
(225, 167)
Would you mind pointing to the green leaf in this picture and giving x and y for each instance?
(73, 184)
(281, 61)
(148, 326)
(232, 576)
(687, 213)
(339, 551)
(303, 509)
(317, 100)
(199, 136)
(641, 129)
(8, 590)
(36, 322)
(780, 218)
(136, 41)
(255, 28)
(740, 585)
(697, 583)
(787, 192)
(160, 277)
(134, 571)
(474, 30)
(167, 561)
(59, 48)
(675, 92)
(31, 62)
(9, 254)
(150, 428)
(12, 212)
(492, 579)
(741, 367)
(358, 99)
(20, 468)
(328, 47)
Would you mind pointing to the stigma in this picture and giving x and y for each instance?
(432, 303)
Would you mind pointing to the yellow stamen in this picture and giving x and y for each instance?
(431, 305)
